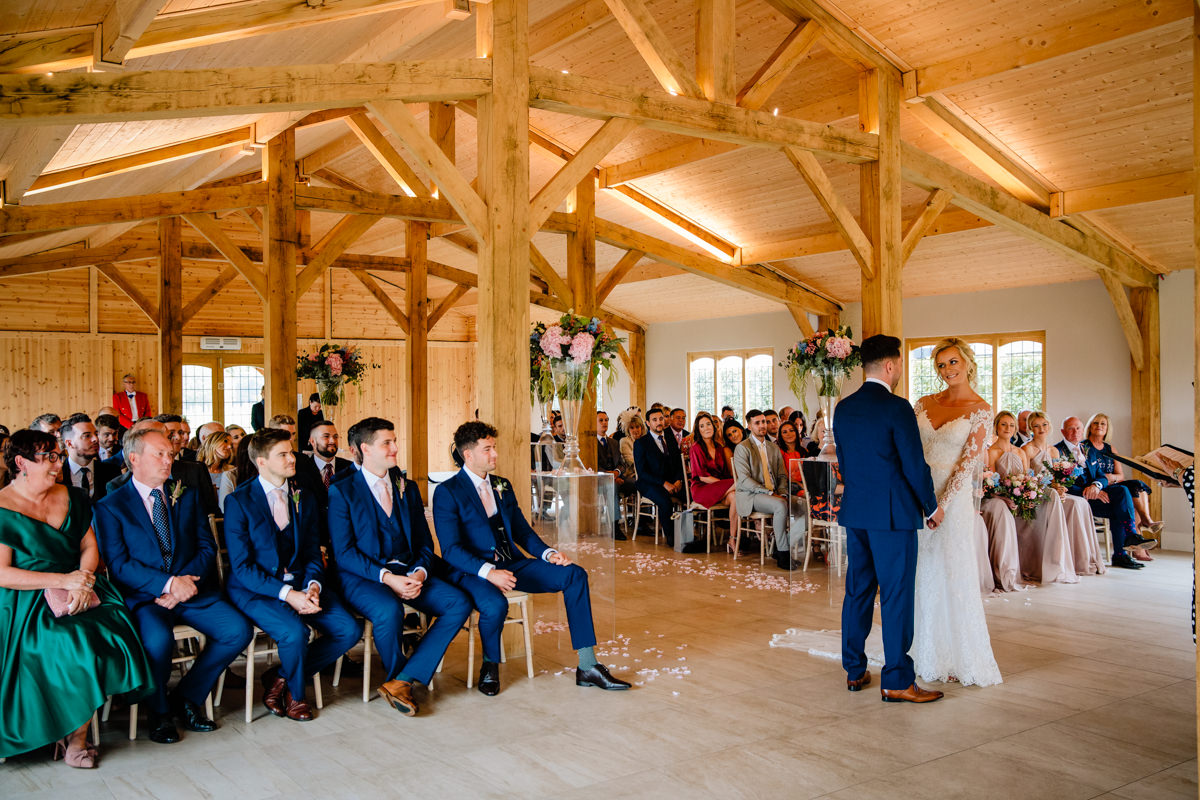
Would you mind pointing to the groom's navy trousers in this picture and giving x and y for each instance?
(888, 495)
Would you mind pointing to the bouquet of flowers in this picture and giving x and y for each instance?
(1063, 471)
(579, 347)
(332, 367)
(1021, 492)
(828, 355)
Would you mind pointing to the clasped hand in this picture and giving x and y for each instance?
(1094, 492)
(304, 602)
(936, 520)
(405, 586)
(79, 588)
(183, 588)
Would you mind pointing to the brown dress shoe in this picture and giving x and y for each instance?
(274, 689)
(399, 695)
(855, 685)
(298, 709)
(913, 694)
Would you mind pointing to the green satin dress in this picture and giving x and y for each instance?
(54, 673)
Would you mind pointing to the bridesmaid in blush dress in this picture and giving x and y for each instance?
(711, 475)
(1003, 552)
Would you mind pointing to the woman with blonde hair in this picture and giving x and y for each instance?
(1098, 428)
(216, 454)
(1003, 554)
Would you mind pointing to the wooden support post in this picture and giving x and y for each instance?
(416, 352)
(828, 321)
(581, 277)
(501, 357)
(170, 324)
(1146, 383)
(280, 245)
(637, 354)
(715, 48)
(441, 128)
(880, 187)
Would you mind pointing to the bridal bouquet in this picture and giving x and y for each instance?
(1021, 492)
(581, 347)
(828, 356)
(1063, 472)
(332, 367)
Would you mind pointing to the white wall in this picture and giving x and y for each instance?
(1087, 359)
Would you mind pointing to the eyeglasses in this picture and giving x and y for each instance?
(52, 456)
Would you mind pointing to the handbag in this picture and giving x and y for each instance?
(59, 601)
(685, 532)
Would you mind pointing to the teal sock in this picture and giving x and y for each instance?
(587, 658)
(403, 676)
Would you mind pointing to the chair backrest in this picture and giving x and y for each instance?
(214, 525)
(808, 492)
(687, 480)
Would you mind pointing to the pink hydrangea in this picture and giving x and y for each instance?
(314, 357)
(838, 347)
(334, 362)
(553, 340)
(581, 347)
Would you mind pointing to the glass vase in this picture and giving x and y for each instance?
(330, 391)
(571, 380)
(827, 397)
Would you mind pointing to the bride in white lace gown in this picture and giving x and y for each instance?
(951, 640)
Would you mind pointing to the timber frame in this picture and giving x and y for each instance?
(494, 217)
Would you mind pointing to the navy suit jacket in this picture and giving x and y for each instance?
(251, 539)
(462, 523)
(129, 545)
(654, 468)
(888, 484)
(359, 546)
(1092, 471)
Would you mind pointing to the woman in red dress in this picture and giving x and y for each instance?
(712, 476)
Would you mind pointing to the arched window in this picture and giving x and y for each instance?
(1011, 369)
(742, 379)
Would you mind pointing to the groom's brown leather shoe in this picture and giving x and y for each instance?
(855, 685)
(399, 695)
(913, 694)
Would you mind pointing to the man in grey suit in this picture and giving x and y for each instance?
(762, 485)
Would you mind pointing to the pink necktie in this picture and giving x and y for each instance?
(280, 510)
(489, 501)
(383, 495)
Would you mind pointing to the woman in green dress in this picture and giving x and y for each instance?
(56, 671)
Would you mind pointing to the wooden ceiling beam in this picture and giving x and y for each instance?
(172, 94)
(614, 276)
(774, 71)
(214, 287)
(387, 156)
(120, 29)
(579, 165)
(446, 303)
(1127, 193)
(389, 305)
(716, 34)
(716, 244)
(1125, 316)
(843, 218)
(208, 227)
(332, 245)
(130, 289)
(74, 259)
(654, 47)
(545, 270)
(686, 152)
(915, 231)
(581, 96)
(802, 321)
(851, 45)
(346, 201)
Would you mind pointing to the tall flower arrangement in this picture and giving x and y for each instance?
(332, 367)
(827, 356)
(583, 347)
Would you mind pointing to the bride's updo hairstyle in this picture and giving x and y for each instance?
(964, 349)
(1000, 416)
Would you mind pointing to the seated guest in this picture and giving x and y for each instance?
(1097, 437)
(160, 553)
(772, 425)
(733, 434)
(108, 436)
(712, 478)
(316, 468)
(677, 421)
(56, 672)
(818, 434)
(789, 448)
(483, 532)
(5, 476)
(1081, 531)
(785, 414)
(131, 405)
(84, 470)
(1113, 503)
(306, 418)
(46, 423)
(190, 443)
(636, 430)
(284, 422)
(190, 472)
(384, 555)
(216, 454)
(276, 578)
(243, 466)
(727, 414)
(206, 430)
(762, 485)
(1022, 436)
(236, 434)
(608, 459)
(659, 471)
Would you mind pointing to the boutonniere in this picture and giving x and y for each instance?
(501, 486)
(399, 484)
(177, 490)
(296, 499)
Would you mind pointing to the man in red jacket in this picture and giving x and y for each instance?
(131, 405)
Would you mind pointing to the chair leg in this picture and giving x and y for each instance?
(250, 681)
(107, 709)
(96, 726)
(133, 709)
(736, 536)
(808, 543)
(528, 638)
(208, 705)
(471, 649)
(637, 517)
(368, 632)
(761, 527)
(337, 672)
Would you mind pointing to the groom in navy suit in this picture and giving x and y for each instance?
(160, 552)
(385, 559)
(483, 534)
(888, 494)
(272, 531)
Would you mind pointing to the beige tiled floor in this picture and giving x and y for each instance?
(1098, 701)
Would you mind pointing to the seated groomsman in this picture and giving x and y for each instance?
(772, 431)
(160, 553)
(384, 555)
(480, 527)
(316, 469)
(659, 471)
(271, 531)
(761, 485)
(84, 469)
(108, 434)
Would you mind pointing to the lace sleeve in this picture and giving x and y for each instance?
(969, 466)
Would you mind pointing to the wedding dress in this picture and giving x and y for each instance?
(950, 633)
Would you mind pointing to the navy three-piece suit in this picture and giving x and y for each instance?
(130, 548)
(654, 468)
(1118, 510)
(366, 542)
(888, 495)
(264, 559)
(469, 540)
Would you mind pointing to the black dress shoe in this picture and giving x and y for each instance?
(350, 668)
(489, 678)
(693, 547)
(783, 559)
(620, 537)
(1134, 539)
(191, 716)
(1125, 561)
(162, 729)
(599, 676)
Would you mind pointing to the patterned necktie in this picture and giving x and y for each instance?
(383, 495)
(280, 509)
(327, 474)
(489, 501)
(162, 526)
(768, 478)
